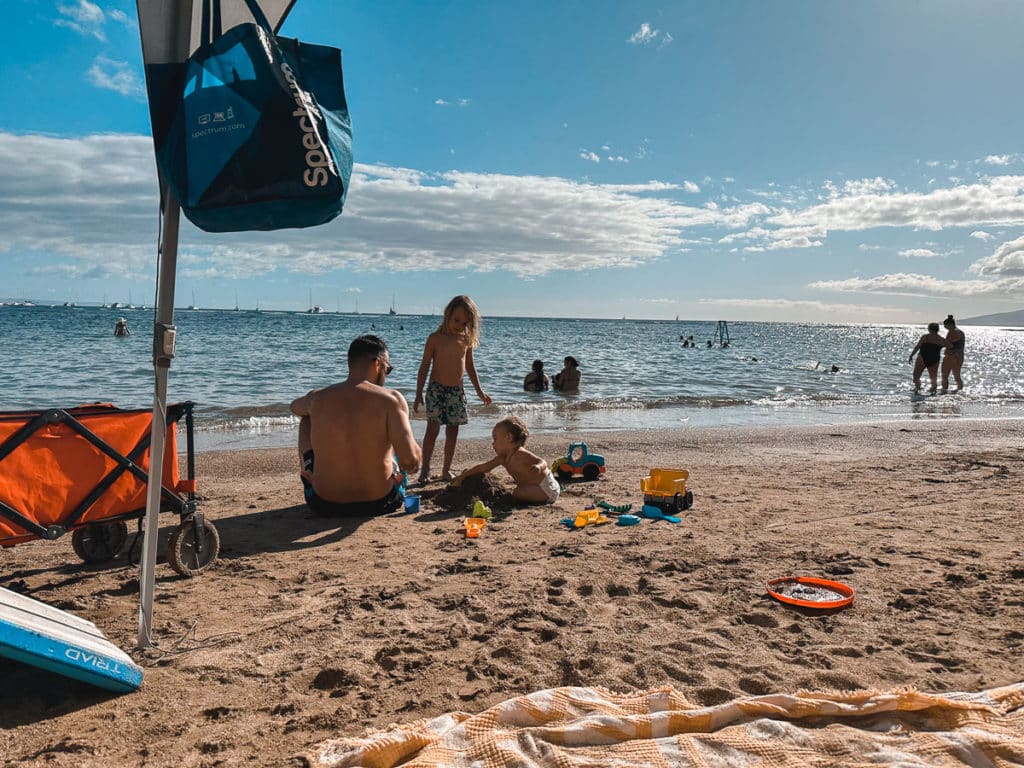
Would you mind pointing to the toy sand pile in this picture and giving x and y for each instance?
(459, 499)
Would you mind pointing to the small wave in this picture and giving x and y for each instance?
(619, 403)
(252, 424)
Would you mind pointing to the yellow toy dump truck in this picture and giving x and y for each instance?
(666, 489)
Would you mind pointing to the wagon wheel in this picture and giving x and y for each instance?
(688, 499)
(564, 475)
(99, 542)
(591, 471)
(679, 502)
(183, 554)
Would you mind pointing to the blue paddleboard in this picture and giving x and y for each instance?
(38, 634)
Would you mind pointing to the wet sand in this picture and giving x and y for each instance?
(307, 629)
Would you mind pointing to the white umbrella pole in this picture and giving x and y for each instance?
(163, 352)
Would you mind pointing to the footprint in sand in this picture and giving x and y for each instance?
(712, 696)
(850, 653)
(756, 686)
(758, 618)
(554, 588)
(332, 678)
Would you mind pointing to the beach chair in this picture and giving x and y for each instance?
(85, 470)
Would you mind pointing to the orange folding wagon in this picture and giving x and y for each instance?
(85, 471)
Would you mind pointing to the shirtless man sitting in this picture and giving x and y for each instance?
(355, 430)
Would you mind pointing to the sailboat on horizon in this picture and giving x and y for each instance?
(314, 309)
(193, 306)
(392, 310)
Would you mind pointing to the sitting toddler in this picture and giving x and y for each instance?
(534, 482)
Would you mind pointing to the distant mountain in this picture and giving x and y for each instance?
(1000, 318)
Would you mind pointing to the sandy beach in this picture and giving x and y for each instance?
(308, 629)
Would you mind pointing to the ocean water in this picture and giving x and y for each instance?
(242, 368)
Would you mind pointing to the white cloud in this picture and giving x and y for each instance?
(68, 204)
(441, 102)
(1008, 259)
(918, 253)
(997, 160)
(85, 18)
(812, 308)
(617, 159)
(593, 157)
(691, 187)
(646, 35)
(122, 18)
(980, 234)
(866, 247)
(905, 284)
(859, 187)
(997, 200)
(118, 76)
(463, 102)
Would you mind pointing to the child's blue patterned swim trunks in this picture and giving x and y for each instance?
(446, 404)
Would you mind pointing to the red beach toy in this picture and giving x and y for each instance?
(808, 592)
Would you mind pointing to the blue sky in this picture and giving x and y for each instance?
(833, 162)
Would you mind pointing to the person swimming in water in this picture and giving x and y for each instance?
(121, 328)
(930, 348)
(536, 380)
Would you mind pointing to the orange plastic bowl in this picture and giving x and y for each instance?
(815, 592)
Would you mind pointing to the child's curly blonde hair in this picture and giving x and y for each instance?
(516, 428)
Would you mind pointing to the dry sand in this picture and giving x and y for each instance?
(307, 629)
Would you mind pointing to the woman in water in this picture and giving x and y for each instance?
(567, 379)
(953, 358)
(536, 380)
(930, 347)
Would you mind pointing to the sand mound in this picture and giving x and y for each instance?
(453, 501)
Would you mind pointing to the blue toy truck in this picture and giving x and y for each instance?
(579, 462)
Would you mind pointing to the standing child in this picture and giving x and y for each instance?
(534, 482)
(448, 356)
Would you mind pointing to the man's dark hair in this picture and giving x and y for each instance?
(366, 348)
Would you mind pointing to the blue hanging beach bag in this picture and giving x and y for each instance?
(261, 137)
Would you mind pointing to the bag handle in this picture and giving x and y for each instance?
(259, 17)
(212, 24)
(212, 27)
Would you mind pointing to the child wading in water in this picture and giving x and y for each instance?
(534, 482)
(448, 356)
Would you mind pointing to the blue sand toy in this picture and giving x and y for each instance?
(627, 520)
(655, 513)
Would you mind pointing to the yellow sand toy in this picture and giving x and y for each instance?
(582, 519)
(474, 526)
(589, 517)
(666, 489)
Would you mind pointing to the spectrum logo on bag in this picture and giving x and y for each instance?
(217, 117)
(316, 158)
